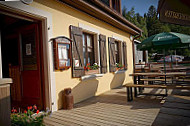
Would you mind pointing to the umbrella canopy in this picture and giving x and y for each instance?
(169, 40)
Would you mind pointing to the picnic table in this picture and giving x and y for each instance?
(182, 69)
(161, 74)
(164, 85)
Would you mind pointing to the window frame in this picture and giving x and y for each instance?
(119, 53)
(87, 47)
(115, 4)
(56, 54)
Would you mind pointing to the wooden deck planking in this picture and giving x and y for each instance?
(176, 105)
(114, 117)
(175, 111)
(171, 120)
(108, 109)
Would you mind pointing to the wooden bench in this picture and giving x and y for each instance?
(163, 86)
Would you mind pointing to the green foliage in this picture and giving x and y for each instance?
(119, 65)
(150, 23)
(136, 19)
(93, 67)
(31, 117)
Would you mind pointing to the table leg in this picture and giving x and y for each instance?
(135, 89)
(166, 88)
(129, 94)
(139, 82)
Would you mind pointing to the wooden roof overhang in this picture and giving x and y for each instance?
(102, 12)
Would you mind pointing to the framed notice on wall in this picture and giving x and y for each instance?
(62, 53)
(29, 58)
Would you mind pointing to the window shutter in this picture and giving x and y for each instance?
(77, 51)
(124, 55)
(96, 58)
(112, 56)
(103, 54)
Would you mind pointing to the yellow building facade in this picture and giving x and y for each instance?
(58, 18)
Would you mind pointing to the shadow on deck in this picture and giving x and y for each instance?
(110, 109)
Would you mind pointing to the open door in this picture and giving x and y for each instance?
(22, 62)
(31, 82)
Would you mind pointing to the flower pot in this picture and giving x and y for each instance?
(89, 72)
(119, 68)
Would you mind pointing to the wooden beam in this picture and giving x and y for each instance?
(118, 21)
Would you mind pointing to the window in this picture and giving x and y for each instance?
(84, 51)
(117, 51)
(107, 2)
(117, 55)
(116, 5)
(88, 49)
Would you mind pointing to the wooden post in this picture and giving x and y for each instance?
(5, 104)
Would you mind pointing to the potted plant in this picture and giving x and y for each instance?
(91, 69)
(30, 117)
(119, 66)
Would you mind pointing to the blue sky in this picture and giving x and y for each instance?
(141, 6)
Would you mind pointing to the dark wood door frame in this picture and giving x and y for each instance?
(42, 23)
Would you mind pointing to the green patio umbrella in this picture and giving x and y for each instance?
(165, 40)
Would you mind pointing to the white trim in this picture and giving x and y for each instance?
(43, 14)
(120, 71)
(89, 77)
(136, 41)
(117, 38)
(88, 28)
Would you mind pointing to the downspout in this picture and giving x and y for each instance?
(133, 46)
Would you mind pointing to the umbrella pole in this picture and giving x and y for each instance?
(175, 60)
(165, 68)
(171, 61)
(164, 61)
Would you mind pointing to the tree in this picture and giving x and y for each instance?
(136, 19)
(150, 23)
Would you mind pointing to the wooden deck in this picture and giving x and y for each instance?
(110, 109)
(175, 111)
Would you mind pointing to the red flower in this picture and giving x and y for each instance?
(14, 110)
(84, 68)
(28, 107)
(37, 111)
(35, 107)
(25, 111)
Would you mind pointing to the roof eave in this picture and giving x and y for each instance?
(91, 10)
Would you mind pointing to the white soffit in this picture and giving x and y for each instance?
(117, 38)
(89, 28)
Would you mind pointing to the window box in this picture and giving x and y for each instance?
(117, 69)
(90, 72)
